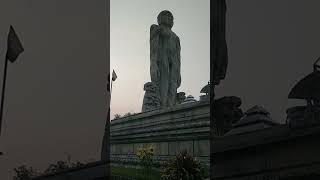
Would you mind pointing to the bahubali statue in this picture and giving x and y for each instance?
(165, 60)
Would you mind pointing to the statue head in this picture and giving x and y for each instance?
(165, 18)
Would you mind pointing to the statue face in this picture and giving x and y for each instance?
(165, 18)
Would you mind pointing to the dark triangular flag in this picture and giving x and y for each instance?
(14, 46)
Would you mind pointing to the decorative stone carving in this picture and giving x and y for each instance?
(189, 99)
(165, 59)
(226, 112)
(181, 96)
(306, 89)
(151, 99)
(254, 119)
(206, 90)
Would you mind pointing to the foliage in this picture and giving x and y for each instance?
(183, 166)
(60, 166)
(23, 173)
(117, 116)
(145, 156)
(128, 114)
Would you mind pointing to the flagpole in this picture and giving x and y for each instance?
(3, 91)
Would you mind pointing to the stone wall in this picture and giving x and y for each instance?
(276, 153)
(169, 131)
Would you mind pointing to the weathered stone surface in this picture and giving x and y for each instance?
(151, 99)
(201, 148)
(176, 147)
(165, 59)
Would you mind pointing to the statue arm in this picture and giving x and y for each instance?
(154, 50)
(178, 62)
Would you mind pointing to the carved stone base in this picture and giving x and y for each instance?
(303, 116)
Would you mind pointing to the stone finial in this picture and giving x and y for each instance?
(206, 90)
(256, 118)
(189, 99)
(306, 89)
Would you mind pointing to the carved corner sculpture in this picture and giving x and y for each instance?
(307, 89)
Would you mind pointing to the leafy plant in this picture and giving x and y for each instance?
(60, 166)
(24, 173)
(117, 116)
(145, 156)
(127, 114)
(183, 166)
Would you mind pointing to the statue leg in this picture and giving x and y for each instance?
(163, 88)
(172, 93)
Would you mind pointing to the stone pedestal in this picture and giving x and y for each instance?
(169, 131)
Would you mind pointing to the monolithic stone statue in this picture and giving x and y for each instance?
(165, 59)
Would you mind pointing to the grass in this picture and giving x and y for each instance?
(134, 173)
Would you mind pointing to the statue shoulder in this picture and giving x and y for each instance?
(178, 39)
(176, 36)
(153, 28)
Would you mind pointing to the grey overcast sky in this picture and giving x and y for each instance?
(129, 55)
(55, 96)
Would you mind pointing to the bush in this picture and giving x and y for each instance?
(183, 166)
(145, 156)
(117, 116)
(23, 173)
(60, 166)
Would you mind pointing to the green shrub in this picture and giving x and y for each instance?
(145, 156)
(183, 166)
(23, 173)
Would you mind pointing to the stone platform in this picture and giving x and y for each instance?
(169, 131)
